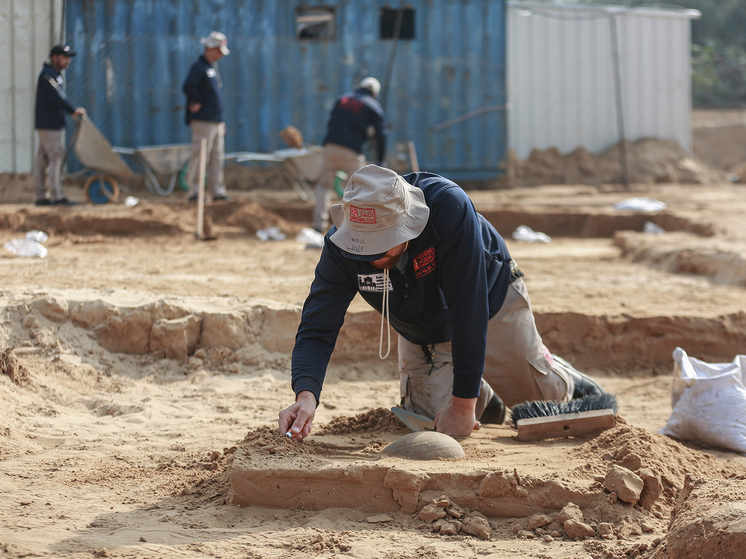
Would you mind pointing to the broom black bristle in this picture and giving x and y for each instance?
(548, 408)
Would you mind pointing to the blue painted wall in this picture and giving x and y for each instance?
(446, 90)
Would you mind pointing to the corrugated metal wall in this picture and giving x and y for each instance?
(28, 29)
(447, 89)
(561, 79)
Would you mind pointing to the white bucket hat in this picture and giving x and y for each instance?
(379, 211)
(216, 39)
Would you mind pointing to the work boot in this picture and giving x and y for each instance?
(64, 202)
(494, 413)
(43, 202)
(584, 385)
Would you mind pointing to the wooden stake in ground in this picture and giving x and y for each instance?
(413, 158)
(201, 190)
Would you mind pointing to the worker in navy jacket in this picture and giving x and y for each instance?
(52, 108)
(417, 251)
(204, 115)
(353, 117)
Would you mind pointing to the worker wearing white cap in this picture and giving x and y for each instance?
(355, 114)
(204, 115)
(417, 251)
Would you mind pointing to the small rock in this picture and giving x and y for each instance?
(548, 538)
(578, 530)
(538, 520)
(527, 534)
(605, 529)
(477, 526)
(555, 534)
(625, 483)
(444, 527)
(143, 539)
(517, 528)
(430, 513)
(647, 526)
(570, 511)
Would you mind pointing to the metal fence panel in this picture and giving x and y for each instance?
(561, 76)
(27, 32)
(446, 93)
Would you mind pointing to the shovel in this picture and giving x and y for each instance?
(414, 421)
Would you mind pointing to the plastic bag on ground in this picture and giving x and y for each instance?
(26, 247)
(640, 205)
(709, 402)
(525, 234)
(37, 236)
(270, 234)
(650, 228)
(311, 238)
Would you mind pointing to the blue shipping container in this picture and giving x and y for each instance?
(443, 80)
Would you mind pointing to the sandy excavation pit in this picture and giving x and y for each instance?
(149, 369)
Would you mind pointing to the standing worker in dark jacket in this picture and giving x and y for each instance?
(352, 117)
(52, 107)
(204, 115)
(417, 251)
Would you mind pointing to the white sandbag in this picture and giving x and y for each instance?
(709, 402)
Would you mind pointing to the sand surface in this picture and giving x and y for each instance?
(117, 445)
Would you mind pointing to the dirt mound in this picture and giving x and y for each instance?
(379, 420)
(267, 440)
(662, 459)
(252, 217)
(119, 220)
(648, 161)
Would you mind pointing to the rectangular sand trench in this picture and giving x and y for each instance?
(497, 477)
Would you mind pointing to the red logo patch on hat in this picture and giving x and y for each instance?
(362, 215)
(424, 262)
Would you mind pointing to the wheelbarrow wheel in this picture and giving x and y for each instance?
(101, 189)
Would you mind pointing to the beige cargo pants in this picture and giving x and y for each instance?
(49, 164)
(214, 135)
(336, 158)
(518, 367)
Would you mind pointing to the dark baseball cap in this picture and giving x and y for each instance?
(60, 49)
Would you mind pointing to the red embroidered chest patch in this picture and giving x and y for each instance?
(424, 262)
(362, 215)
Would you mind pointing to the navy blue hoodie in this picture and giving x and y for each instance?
(202, 85)
(349, 121)
(52, 105)
(455, 279)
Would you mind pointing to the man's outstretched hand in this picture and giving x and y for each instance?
(297, 419)
(458, 419)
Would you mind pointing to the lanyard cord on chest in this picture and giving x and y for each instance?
(385, 316)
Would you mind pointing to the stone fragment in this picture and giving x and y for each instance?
(652, 489)
(431, 512)
(578, 530)
(548, 538)
(605, 529)
(494, 484)
(570, 511)
(626, 484)
(538, 520)
(477, 526)
(444, 527)
(647, 526)
(527, 534)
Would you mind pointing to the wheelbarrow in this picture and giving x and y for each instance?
(96, 154)
(300, 166)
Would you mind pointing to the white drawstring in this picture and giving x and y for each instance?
(385, 316)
